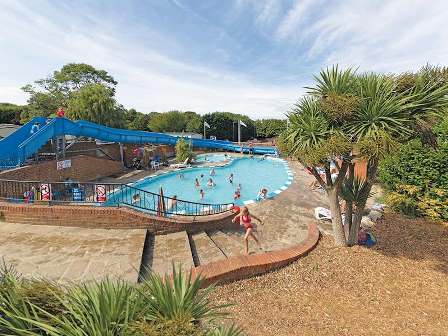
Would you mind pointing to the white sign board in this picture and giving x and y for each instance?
(63, 164)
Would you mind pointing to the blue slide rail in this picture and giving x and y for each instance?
(21, 144)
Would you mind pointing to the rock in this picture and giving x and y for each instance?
(375, 215)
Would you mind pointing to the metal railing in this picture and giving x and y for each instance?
(103, 194)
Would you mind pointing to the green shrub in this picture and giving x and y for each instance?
(416, 180)
(183, 151)
(166, 306)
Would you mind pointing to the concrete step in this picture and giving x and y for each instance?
(229, 242)
(204, 249)
(169, 249)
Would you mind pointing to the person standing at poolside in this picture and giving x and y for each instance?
(172, 202)
(245, 219)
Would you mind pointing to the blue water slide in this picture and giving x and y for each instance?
(20, 145)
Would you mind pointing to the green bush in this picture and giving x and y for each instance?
(183, 151)
(416, 180)
(166, 306)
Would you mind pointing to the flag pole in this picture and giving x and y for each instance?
(239, 132)
(204, 130)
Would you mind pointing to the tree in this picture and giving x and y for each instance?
(137, 120)
(48, 94)
(173, 121)
(95, 103)
(224, 125)
(10, 113)
(269, 128)
(347, 117)
(183, 151)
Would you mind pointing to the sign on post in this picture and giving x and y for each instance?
(60, 165)
(100, 192)
(45, 192)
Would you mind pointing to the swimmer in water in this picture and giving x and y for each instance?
(231, 178)
(196, 183)
(210, 183)
(212, 172)
(201, 193)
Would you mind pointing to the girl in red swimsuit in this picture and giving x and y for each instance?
(245, 219)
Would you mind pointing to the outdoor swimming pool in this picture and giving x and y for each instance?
(211, 158)
(252, 174)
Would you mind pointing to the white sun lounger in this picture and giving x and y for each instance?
(181, 165)
(321, 213)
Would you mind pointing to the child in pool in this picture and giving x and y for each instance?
(201, 193)
(196, 183)
(210, 183)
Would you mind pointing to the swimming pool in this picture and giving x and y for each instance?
(251, 173)
(203, 158)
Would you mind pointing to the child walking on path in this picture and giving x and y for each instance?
(245, 219)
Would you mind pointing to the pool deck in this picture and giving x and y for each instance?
(71, 254)
(66, 254)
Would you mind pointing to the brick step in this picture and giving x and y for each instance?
(229, 242)
(169, 249)
(204, 250)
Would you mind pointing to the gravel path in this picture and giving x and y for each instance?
(399, 287)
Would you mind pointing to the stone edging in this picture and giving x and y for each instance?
(241, 267)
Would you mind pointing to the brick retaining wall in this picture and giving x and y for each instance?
(241, 267)
(108, 218)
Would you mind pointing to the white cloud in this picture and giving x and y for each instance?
(12, 94)
(148, 80)
(295, 17)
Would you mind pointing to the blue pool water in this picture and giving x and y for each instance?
(212, 158)
(253, 174)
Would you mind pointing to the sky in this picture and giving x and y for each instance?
(245, 56)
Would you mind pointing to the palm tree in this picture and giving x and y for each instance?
(348, 116)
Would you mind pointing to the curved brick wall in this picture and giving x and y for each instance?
(240, 267)
(109, 218)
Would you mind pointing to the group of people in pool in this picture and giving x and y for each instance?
(262, 194)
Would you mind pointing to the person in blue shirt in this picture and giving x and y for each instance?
(35, 128)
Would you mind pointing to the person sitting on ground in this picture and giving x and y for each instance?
(262, 194)
(196, 183)
(201, 193)
(210, 183)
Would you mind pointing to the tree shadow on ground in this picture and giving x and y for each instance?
(416, 239)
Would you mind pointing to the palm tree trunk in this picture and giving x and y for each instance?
(336, 217)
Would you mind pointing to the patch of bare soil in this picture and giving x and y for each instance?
(398, 287)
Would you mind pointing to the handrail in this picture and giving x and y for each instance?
(106, 194)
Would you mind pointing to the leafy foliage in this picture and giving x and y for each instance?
(166, 306)
(224, 125)
(10, 113)
(95, 103)
(269, 128)
(417, 180)
(348, 116)
(183, 151)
